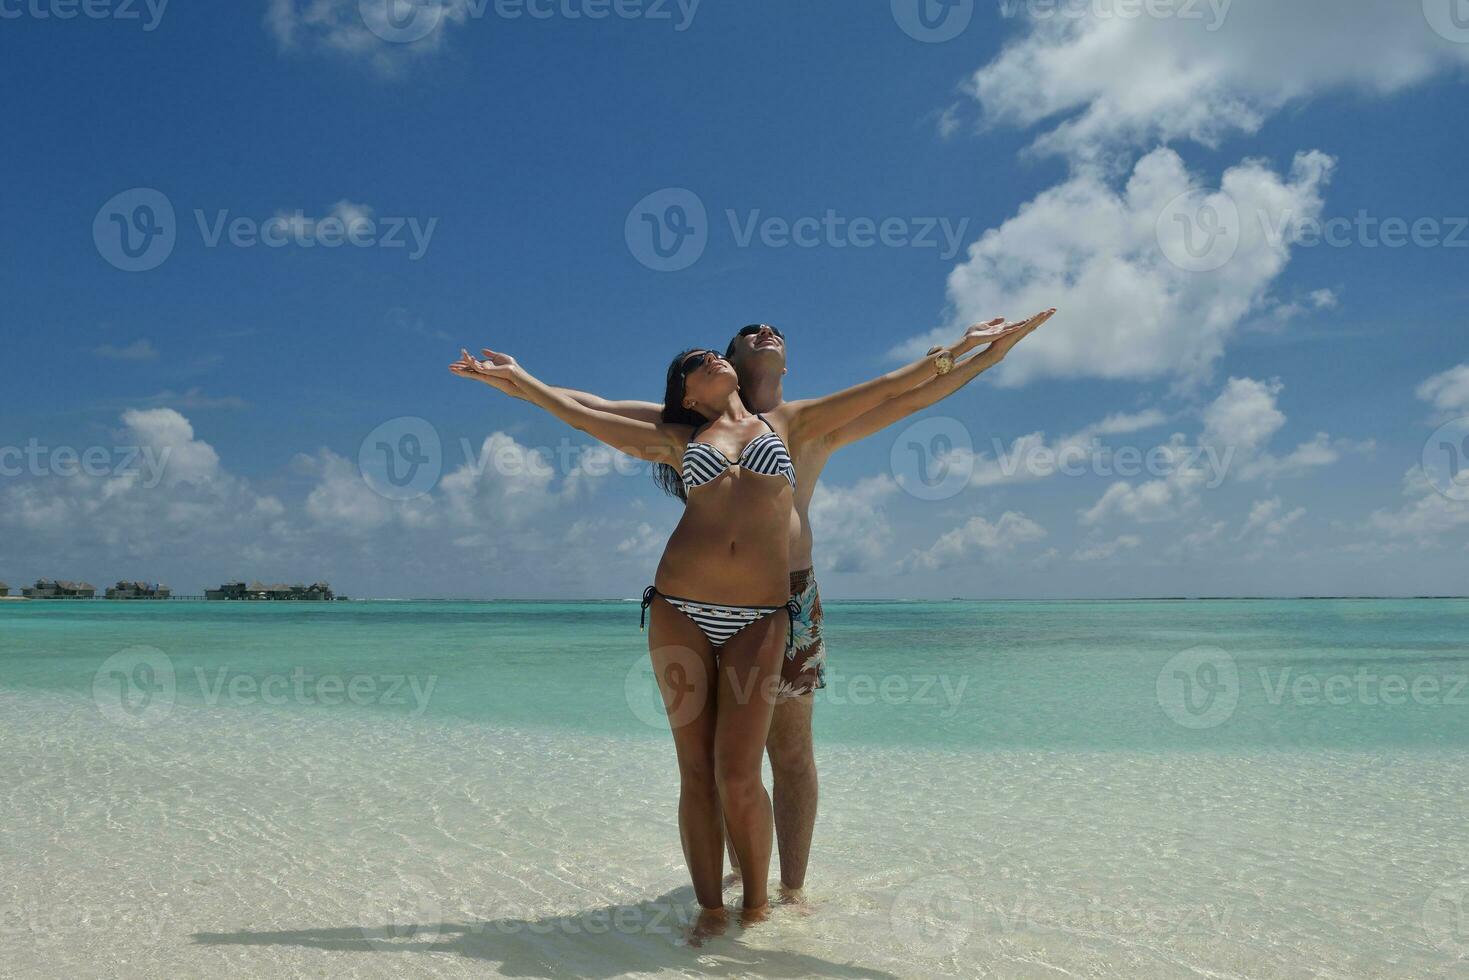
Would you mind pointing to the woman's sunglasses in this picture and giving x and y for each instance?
(696, 361)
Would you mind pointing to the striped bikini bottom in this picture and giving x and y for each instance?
(718, 622)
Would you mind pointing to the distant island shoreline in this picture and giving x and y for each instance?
(877, 601)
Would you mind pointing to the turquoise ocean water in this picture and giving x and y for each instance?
(1010, 789)
(1320, 673)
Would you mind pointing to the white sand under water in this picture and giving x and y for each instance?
(264, 843)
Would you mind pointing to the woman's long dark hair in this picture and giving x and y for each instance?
(668, 477)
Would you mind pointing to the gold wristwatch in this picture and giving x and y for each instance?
(944, 363)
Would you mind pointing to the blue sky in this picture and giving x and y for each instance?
(1068, 150)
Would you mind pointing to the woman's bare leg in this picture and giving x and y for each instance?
(749, 674)
(683, 663)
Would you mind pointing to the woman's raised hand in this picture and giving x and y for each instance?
(496, 370)
(1012, 334)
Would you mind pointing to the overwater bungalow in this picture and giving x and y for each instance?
(138, 590)
(260, 592)
(60, 589)
(4, 589)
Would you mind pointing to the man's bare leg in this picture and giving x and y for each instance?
(793, 771)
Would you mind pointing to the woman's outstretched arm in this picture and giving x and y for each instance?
(628, 409)
(658, 442)
(936, 389)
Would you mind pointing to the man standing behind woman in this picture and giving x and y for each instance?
(723, 591)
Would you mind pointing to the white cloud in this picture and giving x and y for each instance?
(342, 501)
(1166, 499)
(165, 506)
(948, 123)
(1267, 521)
(171, 437)
(644, 541)
(1112, 85)
(1238, 426)
(1031, 458)
(1115, 82)
(506, 482)
(194, 400)
(139, 350)
(1101, 256)
(1107, 549)
(1243, 420)
(1197, 542)
(161, 492)
(1429, 517)
(976, 540)
(341, 27)
(1320, 450)
(1448, 392)
(1244, 415)
(348, 220)
(849, 524)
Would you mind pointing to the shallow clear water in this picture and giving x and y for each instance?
(1010, 789)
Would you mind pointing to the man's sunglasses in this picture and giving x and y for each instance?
(757, 327)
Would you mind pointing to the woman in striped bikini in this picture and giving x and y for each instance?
(719, 608)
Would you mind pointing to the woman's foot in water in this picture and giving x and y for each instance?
(708, 924)
(751, 916)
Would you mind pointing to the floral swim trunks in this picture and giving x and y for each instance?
(804, 669)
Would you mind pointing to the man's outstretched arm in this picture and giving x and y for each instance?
(932, 391)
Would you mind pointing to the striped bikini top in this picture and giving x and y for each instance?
(766, 454)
